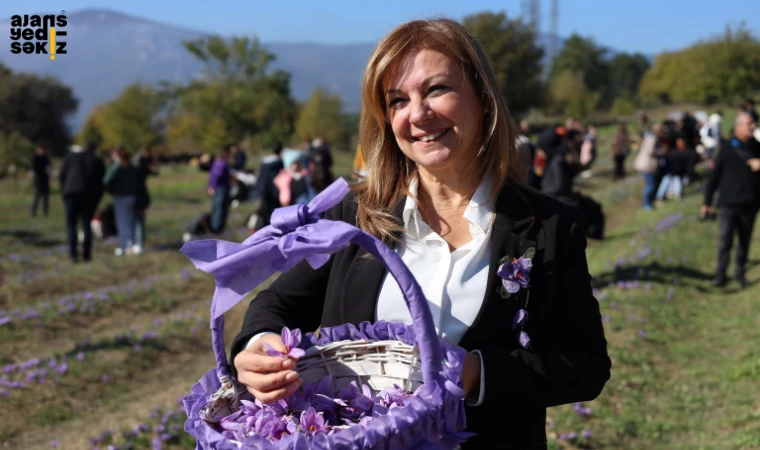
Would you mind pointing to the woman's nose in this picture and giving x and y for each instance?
(420, 111)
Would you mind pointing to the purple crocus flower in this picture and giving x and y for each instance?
(515, 274)
(572, 436)
(290, 339)
(586, 434)
(393, 396)
(312, 423)
(524, 339)
(521, 316)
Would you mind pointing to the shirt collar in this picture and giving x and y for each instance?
(479, 211)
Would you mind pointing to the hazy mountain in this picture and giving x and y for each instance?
(108, 50)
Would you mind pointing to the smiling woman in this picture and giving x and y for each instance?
(445, 190)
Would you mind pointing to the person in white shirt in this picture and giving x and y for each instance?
(445, 189)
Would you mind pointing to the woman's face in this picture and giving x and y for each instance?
(434, 111)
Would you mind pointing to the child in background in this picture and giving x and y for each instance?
(293, 185)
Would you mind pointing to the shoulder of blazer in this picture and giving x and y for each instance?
(537, 210)
(348, 209)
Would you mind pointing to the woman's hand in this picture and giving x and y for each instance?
(471, 374)
(268, 378)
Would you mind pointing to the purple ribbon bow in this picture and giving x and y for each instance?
(296, 233)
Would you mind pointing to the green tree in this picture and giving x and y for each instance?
(584, 58)
(36, 108)
(15, 150)
(515, 57)
(132, 119)
(724, 69)
(623, 106)
(626, 71)
(321, 116)
(91, 130)
(572, 96)
(237, 98)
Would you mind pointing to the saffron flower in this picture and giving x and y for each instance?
(515, 274)
(312, 423)
(290, 339)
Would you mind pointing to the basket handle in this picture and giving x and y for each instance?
(296, 234)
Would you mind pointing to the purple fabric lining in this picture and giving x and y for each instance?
(379, 331)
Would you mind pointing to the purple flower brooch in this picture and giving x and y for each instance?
(515, 282)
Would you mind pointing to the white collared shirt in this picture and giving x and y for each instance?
(454, 283)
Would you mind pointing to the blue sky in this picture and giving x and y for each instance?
(649, 26)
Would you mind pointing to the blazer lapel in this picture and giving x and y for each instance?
(364, 280)
(512, 224)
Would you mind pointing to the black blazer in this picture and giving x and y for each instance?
(567, 361)
(739, 186)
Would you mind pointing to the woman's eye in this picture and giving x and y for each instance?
(437, 88)
(395, 102)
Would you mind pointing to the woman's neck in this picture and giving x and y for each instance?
(442, 192)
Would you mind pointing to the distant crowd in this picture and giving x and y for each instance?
(285, 177)
(667, 155)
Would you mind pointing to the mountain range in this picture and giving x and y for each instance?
(109, 50)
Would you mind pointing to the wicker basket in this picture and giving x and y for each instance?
(378, 355)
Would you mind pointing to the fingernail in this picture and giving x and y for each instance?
(291, 376)
(287, 363)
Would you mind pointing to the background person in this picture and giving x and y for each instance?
(737, 177)
(145, 163)
(122, 181)
(81, 180)
(219, 190)
(41, 170)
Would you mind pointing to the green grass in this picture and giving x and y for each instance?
(686, 383)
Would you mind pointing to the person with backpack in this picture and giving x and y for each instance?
(737, 176)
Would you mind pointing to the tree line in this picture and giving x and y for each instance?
(238, 99)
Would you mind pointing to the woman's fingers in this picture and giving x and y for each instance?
(268, 382)
(248, 360)
(268, 378)
(277, 394)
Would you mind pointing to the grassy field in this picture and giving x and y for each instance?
(98, 354)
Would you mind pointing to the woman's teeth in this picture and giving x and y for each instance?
(430, 137)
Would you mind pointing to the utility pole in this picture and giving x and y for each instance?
(554, 31)
(531, 13)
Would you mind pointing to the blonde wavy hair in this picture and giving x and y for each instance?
(389, 171)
